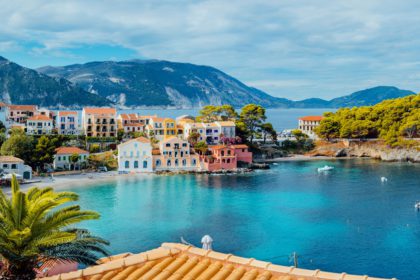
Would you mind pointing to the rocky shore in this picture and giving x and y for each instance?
(372, 149)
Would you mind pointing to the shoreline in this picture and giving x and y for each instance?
(93, 178)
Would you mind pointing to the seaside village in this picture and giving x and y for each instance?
(144, 143)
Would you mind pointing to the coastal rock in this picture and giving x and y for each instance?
(372, 149)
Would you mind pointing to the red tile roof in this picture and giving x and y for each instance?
(10, 159)
(311, 118)
(40, 118)
(23, 107)
(102, 110)
(67, 113)
(240, 146)
(70, 150)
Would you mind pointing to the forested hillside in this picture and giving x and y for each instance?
(396, 121)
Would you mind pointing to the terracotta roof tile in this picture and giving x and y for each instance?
(70, 150)
(100, 110)
(39, 118)
(10, 159)
(67, 113)
(23, 107)
(311, 118)
(177, 261)
(226, 123)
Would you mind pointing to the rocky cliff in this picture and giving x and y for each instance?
(373, 149)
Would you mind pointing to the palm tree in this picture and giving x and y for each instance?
(36, 226)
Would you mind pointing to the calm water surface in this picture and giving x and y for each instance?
(345, 220)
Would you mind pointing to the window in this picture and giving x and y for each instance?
(184, 144)
(194, 162)
(228, 160)
(127, 164)
(176, 162)
(131, 153)
(144, 164)
(135, 145)
(59, 158)
(168, 144)
(228, 152)
(223, 153)
(138, 153)
(158, 162)
(168, 163)
(184, 162)
(5, 166)
(136, 164)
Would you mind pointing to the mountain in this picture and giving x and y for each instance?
(369, 97)
(20, 85)
(162, 83)
(138, 83)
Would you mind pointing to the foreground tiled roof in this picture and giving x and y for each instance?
(174, 261)
(311, 118)
(70, 151)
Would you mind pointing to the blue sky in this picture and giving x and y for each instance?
(289, 48)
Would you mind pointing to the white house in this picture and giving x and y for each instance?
(308, 124)
(67, 123)
(174, 154)
(62, 158)
(11, 164)
(135, 156)
(211, 133)
(39, 125)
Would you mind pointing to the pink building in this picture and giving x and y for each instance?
(225, 157)
(242, 153)
(221, 158)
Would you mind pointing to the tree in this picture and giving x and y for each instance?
(201, 147)
(19, 145)
(267, 129)
(299, 135)
(120, 134)
(211, 113)
(193, 138)
(38, 226)
(74, 158)
(328, 128)
(250, 120)
(44, 151)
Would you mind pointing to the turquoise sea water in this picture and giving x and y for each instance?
(344, 220)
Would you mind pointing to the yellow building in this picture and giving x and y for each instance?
(99, 122)
(169, 128)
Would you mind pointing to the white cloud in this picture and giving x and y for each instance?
(289, 48)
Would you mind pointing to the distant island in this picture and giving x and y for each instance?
(153, 83)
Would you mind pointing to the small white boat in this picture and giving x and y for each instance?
(325, 168)
(417, 206)
(384, 179)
